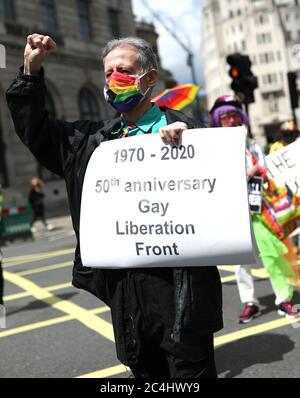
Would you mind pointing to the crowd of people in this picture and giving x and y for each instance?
(163, 318)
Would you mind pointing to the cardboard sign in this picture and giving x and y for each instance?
(147, 204)
(284, 166)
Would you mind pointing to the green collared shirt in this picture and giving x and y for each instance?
(149, 123)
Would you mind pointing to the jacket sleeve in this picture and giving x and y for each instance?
(51, 141)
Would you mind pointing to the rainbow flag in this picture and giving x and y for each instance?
(177, 97)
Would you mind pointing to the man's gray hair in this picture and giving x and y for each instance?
(147, 57)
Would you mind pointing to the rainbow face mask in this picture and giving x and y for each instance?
(123, 92)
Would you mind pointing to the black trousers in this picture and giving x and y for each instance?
(143, 314)
(160, 364)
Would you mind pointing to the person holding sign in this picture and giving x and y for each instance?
(287, 134)
(227, 112)
(163, 318)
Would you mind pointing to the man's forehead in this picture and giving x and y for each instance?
(126, 53)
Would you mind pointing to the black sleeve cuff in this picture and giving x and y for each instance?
(31, 78)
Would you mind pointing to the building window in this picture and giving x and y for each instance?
(49, 15)
(264, 38)
(281, 76)
(84, 19)
(114, 22)
(278, 55)
(288, 35)
(269, 78)
(7, 11)
(88, 106)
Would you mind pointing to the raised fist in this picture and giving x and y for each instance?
(37, 49)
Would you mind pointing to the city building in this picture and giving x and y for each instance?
(268, 31)
(73, 75)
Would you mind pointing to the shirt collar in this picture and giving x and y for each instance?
(145, 122)
(149, 118)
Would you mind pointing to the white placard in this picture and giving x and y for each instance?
(147, 204)
(284, 166)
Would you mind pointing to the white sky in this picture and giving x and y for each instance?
(186, 15)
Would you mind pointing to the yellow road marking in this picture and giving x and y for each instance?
(82, 315)
(251, 331)
(17, 296)
(12, 261)
(50, 322)
(60, 286)
(228, 278)
(113, 371)
(220, 340)
(228, 268)
(34, 326)
(45, 269)
(260, 273)
(87, 317)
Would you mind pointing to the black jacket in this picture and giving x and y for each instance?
(65, 149)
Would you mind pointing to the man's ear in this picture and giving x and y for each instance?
(152, 78)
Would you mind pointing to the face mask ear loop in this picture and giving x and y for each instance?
(144, 74)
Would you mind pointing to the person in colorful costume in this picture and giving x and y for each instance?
(227, 112)
(163, 318)
(287, 134)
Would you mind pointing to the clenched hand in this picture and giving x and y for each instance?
(37, 49)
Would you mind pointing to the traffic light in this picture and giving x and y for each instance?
(292, 80)
(243, 81)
